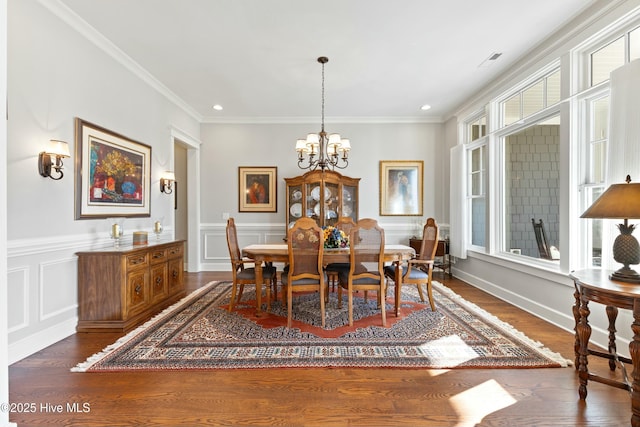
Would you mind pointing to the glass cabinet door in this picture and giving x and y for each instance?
(295, 203)
(314, 201)
(331, 203)
(349, 206)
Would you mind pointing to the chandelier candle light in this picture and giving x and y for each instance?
(329, 149)
(621, 201)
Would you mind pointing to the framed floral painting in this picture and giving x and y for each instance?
(113, 174)
(257, 190)
(401, 187)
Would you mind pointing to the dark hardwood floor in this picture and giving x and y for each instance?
(315, 397)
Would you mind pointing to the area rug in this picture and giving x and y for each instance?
(199, 333)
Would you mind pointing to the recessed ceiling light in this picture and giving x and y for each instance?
(425, 107)
(217, 107)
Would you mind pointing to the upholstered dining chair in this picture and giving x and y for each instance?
(305, 270)
(366, 269)
(344, 223)
(419, 270)
(243, 275)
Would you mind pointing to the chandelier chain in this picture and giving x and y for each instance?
(322, 96)
(316, 149)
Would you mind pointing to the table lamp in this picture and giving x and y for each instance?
(621, 201)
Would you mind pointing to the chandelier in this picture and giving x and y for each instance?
(321, 150)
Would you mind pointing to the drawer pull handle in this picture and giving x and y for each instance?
(138, 289)
(175, 274)
(158, 255)
(137, 260)
(158, 280)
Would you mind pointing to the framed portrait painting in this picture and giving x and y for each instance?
(257, 190)
(113, 174)
(401, 184)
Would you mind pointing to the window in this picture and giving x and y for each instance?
(476, 195)
(634, 44)
(531, 186)
(476, 140)
(605, 60)
(542, 93)
(594, 149)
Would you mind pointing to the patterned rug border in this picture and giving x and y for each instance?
(495, 322)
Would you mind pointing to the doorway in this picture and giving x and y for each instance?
(186, 166)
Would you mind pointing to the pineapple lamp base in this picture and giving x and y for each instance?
(626, 251)
(626, 274)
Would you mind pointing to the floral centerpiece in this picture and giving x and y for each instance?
(334, 237)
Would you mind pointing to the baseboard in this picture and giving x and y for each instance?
(41, 339)
(565, 321)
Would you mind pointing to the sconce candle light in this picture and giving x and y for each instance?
(166, 182)
(59, 149)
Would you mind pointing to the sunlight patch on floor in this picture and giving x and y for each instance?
(476, 403)
(451, 349)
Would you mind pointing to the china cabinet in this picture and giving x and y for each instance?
(322, 195)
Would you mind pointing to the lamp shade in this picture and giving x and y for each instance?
(58, 148)
(169, 175)
(618, 201)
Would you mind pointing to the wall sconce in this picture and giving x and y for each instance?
(166, 182)
(56, 148)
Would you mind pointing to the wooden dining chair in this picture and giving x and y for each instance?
(366, 270)
(243, 275)
(419, 270)
(344, 223)
(305, 270)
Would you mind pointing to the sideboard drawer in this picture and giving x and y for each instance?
(137, 260)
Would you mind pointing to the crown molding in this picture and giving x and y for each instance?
(72, 19)
(316, 120)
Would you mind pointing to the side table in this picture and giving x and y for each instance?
(595, 285)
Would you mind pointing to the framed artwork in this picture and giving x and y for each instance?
(401, 187)
(113, 174)
(257, 191)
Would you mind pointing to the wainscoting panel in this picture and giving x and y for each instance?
(43, 291)
(18, 297)
(52, 301)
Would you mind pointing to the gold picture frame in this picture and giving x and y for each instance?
(401, 187)
(257, 191)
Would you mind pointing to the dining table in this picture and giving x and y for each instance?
(279, 252)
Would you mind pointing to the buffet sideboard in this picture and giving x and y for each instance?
(119, 288)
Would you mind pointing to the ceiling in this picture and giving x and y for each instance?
(258, 58)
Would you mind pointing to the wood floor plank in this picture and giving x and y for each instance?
(317, 397)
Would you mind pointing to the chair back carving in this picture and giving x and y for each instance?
(345, 223)
(430, 236)
(306, 244)
(367, 250)
(234, 248)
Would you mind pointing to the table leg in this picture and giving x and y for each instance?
(398, 280)
(612, 314)
(634, 350)
(259, 282)
(576, 318)
(584, 333)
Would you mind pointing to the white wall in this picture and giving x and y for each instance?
(227, 146)
(4, 303)
(55, 74)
